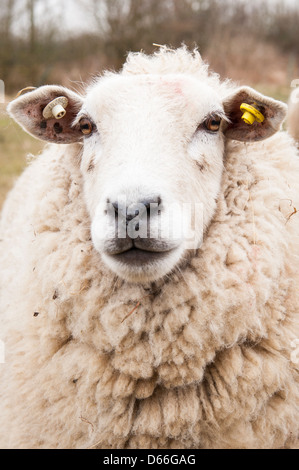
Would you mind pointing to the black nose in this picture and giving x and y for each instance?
(149, 205)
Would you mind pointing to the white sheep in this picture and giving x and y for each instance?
(152, 341)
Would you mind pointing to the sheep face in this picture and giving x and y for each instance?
(152, 158)
(152, 166)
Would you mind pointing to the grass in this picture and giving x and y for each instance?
(15, 145)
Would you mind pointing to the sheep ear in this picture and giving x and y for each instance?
(272, 111)
(27, 110)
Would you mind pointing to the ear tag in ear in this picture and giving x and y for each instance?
(25, 90)
(251, 114)
(56, 108)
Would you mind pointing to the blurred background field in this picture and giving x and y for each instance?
(15, 145)
(49, 41)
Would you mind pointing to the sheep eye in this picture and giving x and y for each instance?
(86, 126)
(212, 124)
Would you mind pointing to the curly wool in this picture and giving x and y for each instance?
(200, 359)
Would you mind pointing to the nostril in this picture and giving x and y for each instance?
(115, 205)
(133, 210)
(156, 200)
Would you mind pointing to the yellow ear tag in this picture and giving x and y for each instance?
(251, 114)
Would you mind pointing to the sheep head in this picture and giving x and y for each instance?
(152, 159)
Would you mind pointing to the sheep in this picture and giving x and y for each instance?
(151, 342)
(293, 115)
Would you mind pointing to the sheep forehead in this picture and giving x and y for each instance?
(147, 95)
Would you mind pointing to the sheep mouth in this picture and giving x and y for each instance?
(143, 263)
(136, 256)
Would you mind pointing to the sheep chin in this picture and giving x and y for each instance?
(155, 268)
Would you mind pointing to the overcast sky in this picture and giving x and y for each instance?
(75, 15)
(71, 15)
